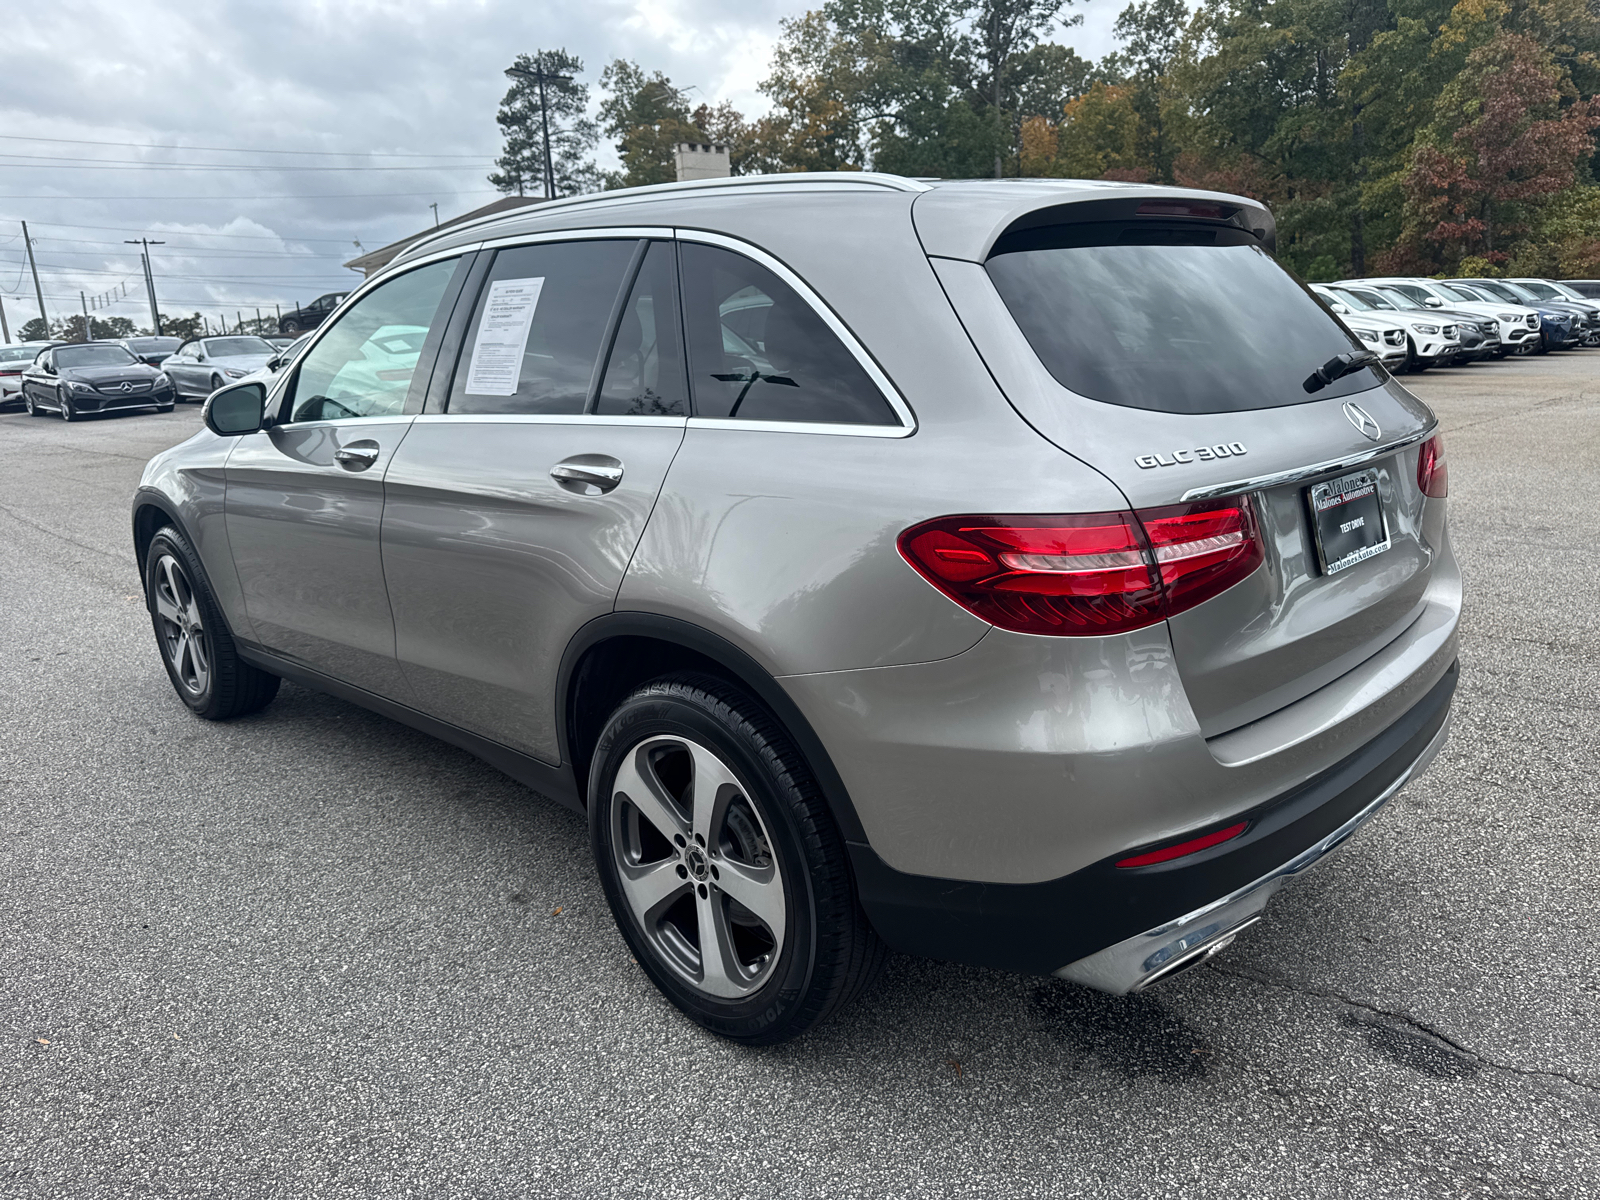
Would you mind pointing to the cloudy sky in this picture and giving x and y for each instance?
(262, 141)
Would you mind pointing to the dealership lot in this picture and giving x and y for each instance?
(314, 953)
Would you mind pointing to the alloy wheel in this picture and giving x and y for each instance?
(696, 866)
(27, 403)
(183, 638)
(65, 406)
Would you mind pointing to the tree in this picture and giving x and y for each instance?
(1151, 32)
(1002, 31)
(179, 327)
(1500, 143)
(34, 330)
(725, 125)
(523, 114)
(647, 115)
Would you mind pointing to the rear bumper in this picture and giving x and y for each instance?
(1136, 962)
(1119, 928)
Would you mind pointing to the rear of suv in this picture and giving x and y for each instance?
(1026, 574)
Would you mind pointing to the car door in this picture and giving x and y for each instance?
(305, 496)
(513, 512)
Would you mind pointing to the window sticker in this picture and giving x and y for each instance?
(503, 337)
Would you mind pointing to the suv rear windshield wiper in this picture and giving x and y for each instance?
(1338, 367)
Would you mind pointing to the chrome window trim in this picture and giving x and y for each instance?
(897, 404)
(617, 233)
(879, 431)
(547, 419)
(1300, 474)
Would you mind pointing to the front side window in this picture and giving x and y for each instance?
(644, 373)
(759, 352)
(537, 330)
(236, 347)
(1173, 318)
(363, 365)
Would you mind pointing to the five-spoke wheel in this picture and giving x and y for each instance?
(182, 633)
(695, 862)
(722, 863)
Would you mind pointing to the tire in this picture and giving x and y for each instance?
(192, 638)
(216, 382)
(27, 404)
(65, 405)
(802, 948)
(1413, 363)
(163, 408)
(288, 328)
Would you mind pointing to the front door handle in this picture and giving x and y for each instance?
(587, 474)
(357, 456)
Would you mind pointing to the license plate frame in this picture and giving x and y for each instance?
(1349, 522)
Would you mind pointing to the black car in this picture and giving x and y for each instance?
(73, 380)
(299, 320)
(1584, 287)
(149, 350)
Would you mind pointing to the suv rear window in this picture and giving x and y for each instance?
(1173, 317)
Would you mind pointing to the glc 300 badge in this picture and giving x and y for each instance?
(1198, 454)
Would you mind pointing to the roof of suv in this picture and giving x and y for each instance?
(954, 219)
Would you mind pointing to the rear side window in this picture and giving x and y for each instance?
(1169, 317)
(644, 374)
(537, 331)
(759, 352)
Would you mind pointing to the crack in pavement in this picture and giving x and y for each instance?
(60, 537)
(1405, 1019)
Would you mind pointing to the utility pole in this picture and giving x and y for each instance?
(542, 77)
(83, 300)
(37, 290)
(149, 279)
(5, 330)
(435, 208)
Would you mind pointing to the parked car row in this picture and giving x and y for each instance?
(1451, 322)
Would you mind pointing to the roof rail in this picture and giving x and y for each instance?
(835, 179)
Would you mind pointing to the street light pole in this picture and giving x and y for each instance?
(540, 76)
(37, 290)
(149, 279)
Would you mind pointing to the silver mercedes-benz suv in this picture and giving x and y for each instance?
(1029, 574)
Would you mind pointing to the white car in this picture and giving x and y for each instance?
(1519, 325)
(1478, 333)
(14, 361)
(1384, 338)
(1428, 343)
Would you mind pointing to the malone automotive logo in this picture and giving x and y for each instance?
(1198, 454)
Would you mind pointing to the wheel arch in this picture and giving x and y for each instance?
(612, 655)
(151, 511)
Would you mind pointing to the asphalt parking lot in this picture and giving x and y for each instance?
(313, 953)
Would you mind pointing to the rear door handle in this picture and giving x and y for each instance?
(357, 456)
(587, 474)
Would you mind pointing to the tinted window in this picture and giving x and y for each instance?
(759, 352)
(1585, 287)
(14, 353)
(233, 347)
(363, 365)
(154, 345)
(1182, 319)
(93, 356)
(535, 336)
(644, 374)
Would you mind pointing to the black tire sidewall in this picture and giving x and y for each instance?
(762, 1016)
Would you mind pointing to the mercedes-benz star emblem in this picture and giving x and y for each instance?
(126, 386)
(1362, 420)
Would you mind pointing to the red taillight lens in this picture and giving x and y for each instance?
(1181, 849)
(1202, 549)
(1079, 574)
(1187, 208)
(1433, 474)
(1086, 574)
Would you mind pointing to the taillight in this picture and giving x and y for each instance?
(1086, 574)
(1433, 473)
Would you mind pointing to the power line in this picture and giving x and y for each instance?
(256, 237)
(17, 137)
(46, 163)
(248, 199)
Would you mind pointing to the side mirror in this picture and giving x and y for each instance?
(274, 363)
(1434, 302)
(236, 410)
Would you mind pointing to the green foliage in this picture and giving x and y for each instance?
(181, 327)
(648, 116)
(34, 330)
(562, 103)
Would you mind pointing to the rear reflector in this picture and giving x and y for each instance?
(1086, 574)
(1192, 846)
(1433, 474)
